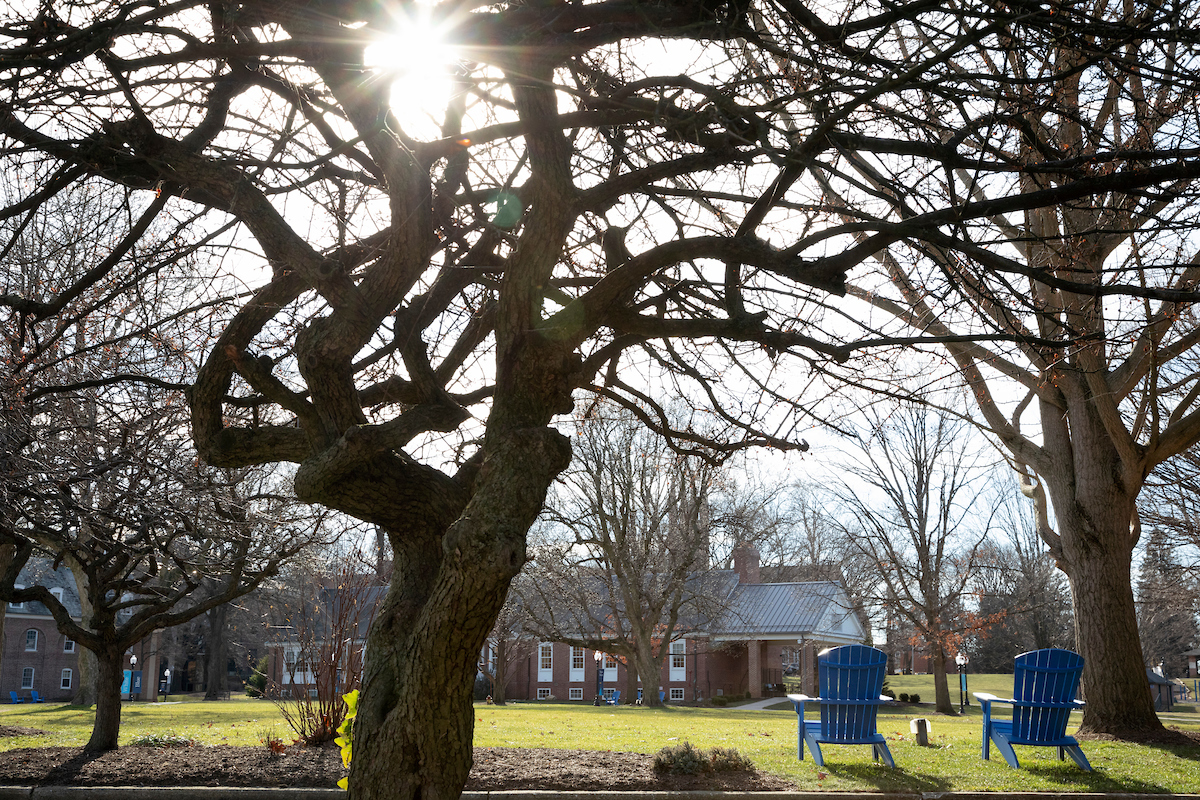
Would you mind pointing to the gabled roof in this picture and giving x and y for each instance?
(40, 572)
(819, 610)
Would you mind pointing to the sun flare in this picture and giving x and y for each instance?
(416, 59)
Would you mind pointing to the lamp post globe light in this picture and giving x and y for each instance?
(962, 661)
(599, 701)
(132, 669)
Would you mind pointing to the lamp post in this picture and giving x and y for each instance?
(132, 669)
(167, 674)
(599, 701)
(962, 661)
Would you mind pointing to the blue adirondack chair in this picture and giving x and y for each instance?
(1044, 686)
(615, 700)
(850, 680)
(36, 698)
(16, 698)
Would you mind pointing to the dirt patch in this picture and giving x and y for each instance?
(320, 767)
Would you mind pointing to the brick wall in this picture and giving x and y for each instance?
(47, 661)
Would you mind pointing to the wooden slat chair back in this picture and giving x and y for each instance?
(850, 680)
(1044, 686)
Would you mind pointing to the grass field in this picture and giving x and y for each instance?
(238, 721)
(768, 738)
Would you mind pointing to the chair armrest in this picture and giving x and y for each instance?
(987, 696)
(883, 698)
(802, 698)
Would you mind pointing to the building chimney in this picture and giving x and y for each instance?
(745, 563)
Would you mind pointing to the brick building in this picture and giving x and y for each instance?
(36, 657)
(767, 629)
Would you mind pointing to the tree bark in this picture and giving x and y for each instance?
(7, 552)
(86, 693)
(413, 734)
(1094, 498)
(499, 671)
(216, 655)
(109, 666)
(941, 692)
(1098, 560)
(650, 670)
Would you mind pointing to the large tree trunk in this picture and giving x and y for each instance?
(1119, 703)
(216, 656)
(941, 692)
(109, 666)
(500, 671)
(7, 552)
(650, 669)
(413, 734)
(86, 691)
(1094, 510)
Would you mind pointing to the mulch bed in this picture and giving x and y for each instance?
(321, 767)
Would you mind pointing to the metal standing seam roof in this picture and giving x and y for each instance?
(779, 608)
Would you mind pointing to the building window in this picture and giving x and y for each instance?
(57, 592)
(608, 694)
(677, 694)
(678, 660)
(312, 694)
(66, 679)
(69, 646)
(575, 694)
(31, 637)
(27, 678)
(17, 606)
(543, 694)
(576, 664)
(545, 662)
(610, 662)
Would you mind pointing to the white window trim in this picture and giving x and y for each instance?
(577, 655)
(610, 662)
(574, 694)
(678, 659)
(36, 636)
(65, 680)
(543, 694)
(27, 683)
(545, 654)
(17, 606)
(57, 592)
(69, 645)
(677, 694)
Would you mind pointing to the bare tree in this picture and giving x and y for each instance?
(1069, 319)
(630, 570)
(1024, 602)
(590, 215)
(913, 513)
(513, 639)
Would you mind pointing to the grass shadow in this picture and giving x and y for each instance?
(886, 779)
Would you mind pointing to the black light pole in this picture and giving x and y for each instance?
(132, 668)
(599, 701)
(961, 659)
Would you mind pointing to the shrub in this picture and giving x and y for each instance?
(720, 700)
(162, 740)
(256, 686)
(685, 759)
(728, 759)
(914, 698)
(904, 697)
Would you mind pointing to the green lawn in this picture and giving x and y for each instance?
(768, 738)
(239, 721)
